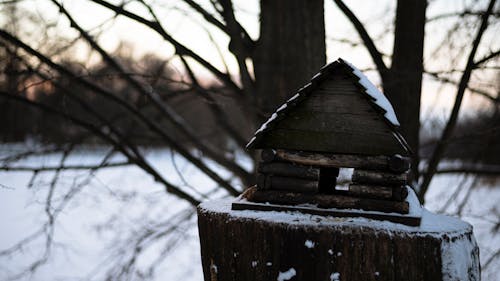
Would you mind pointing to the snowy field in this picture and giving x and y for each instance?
(93, 232)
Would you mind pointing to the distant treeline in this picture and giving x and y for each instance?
(477, 138)
(20, 121)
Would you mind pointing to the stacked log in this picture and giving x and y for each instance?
(379, 183)
(274, 174)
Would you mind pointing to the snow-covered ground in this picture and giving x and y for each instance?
(121, 201)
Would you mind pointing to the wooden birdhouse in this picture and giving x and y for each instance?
(338, 120)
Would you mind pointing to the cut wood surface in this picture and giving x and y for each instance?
(398, 193)
(287, 183)
(268, 155)
(378, 177)
(263, 245)
(289, 169)
(399, 164)
(325, 200)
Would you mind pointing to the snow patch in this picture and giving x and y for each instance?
(282, 107)
(269, 263)
(255, 263)
(415, 206)
(378, 97)
(309, 244)
(431, 224)
(287, 275)
(335, 276)
(294, 97)
(251, 141)
(264, 126)
(458, 258)
(330, 252)
(316, 75)
(213, 268)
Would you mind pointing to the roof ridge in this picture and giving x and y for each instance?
(377, 98)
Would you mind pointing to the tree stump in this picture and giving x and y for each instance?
(257, 245)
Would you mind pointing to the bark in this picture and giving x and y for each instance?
(395, 163)
(250, 245)
(288, 184)
(377, 177)
(289, 170)
(403, 83)
(290, 50)
(325, 201)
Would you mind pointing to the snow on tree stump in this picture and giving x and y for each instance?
(298, 224)
(266, 245)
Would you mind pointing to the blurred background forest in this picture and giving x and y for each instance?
(119, 117)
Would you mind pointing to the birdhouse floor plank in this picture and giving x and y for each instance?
(392, 217)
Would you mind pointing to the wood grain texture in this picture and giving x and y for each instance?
(379, 177)
(326, 201)
(397, 193)
(335, 160)
(334, 122)
(289, 169)
(336, 117)
(274, 182)
(236, 246)
(347, 142)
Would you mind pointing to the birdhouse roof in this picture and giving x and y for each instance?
(324, 121)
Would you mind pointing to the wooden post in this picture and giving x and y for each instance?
(268, 246)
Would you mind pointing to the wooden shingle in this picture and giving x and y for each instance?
(339, 111)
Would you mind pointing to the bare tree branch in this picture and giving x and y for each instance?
(238, 45)
(164, 108)
(480, 170)
(179, 48)
(369, 44)
(485, 94)
(461, 15)
(39, 169)
(441, 146)
(140, 116)
(486, 58)
(491, 259)
(98, 132)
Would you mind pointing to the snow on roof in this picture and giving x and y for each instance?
(373, 91)
(375, 96)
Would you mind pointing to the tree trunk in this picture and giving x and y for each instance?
(290, 50)
(253, 245)
(403, 83)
